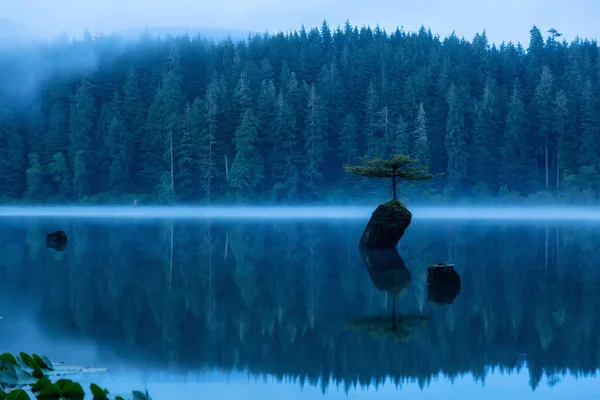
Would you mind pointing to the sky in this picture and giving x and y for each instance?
(502, 19)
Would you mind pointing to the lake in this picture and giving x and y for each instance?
(288, 308)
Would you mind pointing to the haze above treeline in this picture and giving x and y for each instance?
(274, 118)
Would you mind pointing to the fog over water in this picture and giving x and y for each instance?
(282, 212)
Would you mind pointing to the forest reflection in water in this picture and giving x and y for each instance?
(295, 300)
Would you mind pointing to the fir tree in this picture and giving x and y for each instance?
(247, 169)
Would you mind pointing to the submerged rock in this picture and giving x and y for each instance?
(56, 240)
(386, 226)
(443, 283)
(386, 269)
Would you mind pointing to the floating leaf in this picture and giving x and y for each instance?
(73, 391)
(49, 364)
(40, 362)
(99, 393)
(119, 398)
(27, 359)
(49, 392)
(9, 358)
(137, 395)
(62, 383)
(2, 395)
(40, 384)
(18, 394)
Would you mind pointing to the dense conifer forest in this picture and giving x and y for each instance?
(275, 117)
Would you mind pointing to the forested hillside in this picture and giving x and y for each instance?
(274, 118)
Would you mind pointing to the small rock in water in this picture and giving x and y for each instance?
(443, 283)
(56, 240)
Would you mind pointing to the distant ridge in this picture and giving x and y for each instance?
(210, 33)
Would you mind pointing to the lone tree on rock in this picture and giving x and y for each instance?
(397, 167)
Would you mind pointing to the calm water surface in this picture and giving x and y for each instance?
(290, 309)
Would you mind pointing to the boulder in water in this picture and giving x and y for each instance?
(56, 240)
(443, 283)
(386, 226)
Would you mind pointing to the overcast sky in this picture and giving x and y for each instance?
(502, 19)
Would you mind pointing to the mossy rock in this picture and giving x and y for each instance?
(386, 226)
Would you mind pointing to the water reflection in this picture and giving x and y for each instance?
(275, 298)
(389, 274)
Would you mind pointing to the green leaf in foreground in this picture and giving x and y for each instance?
(73, 391)
(27, 359)
(40, 384)
(137, 395)
(49, 392)
(119, 398)
(2, 394)
(63, 382)
(9, 358)
(18, 394)
(41, 363)
(98, 392)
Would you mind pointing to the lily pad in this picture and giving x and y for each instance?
(73, 391)
(137, 395)
(49, 392)
(27, 359)
(98, 392)
(18, 394)
(40, 384)
(9, 358)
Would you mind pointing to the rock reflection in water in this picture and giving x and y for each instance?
(389, 274)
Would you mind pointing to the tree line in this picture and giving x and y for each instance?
(273, 118)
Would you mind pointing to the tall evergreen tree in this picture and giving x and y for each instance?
(543, 103)
(315, 143)
(588, 125)
(118, 146)
(420, 149)
(12, 178)
(456, 145)
(247, 169)
(81, 125)
(513, 171)
(348, 139)
(36, 184)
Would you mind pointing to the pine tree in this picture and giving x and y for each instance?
(543, 103)
(514, 144)
(483, 158)
(370, 122)
(36, 184)
(456, 146)
(348, 139)
(588, 125)
(420, 149)
(117, 144)
(315, 143)
(284, 161)
(60, 174)
(187, 154)
(81, 125)
(207, 157)
(565, 151)
(247, 169)
(134, 117)
(385, 126)
(12, 176)
(402, 142)
(164, 120)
